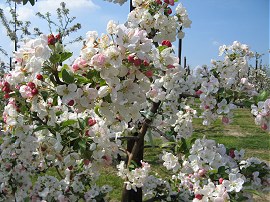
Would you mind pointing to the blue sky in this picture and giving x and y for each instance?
(214, 23)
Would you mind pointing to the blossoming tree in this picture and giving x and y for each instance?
(126, 83)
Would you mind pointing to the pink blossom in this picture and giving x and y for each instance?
(26, 91)
(98, 60)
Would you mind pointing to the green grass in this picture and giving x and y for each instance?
(109, 176)
(242, 133)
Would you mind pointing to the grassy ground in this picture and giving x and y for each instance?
(241, 133)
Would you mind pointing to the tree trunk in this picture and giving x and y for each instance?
(135, 149)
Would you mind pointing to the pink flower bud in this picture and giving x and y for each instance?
(264, 126)
(170, 66)
(169, 11)
(149, 73)
(91, 122)
(71, 103)
(166, 43)
(198, 196)
(34, 92)
(58, 37)
(202, 172)
(87, 133)
(51, 39)
(131, 58)
(39, 77)
(86, 162)
(225, 120)
(198, 92)
(231, 153)
(145, 63)
(137, 62)
(220, 180)
(6, 96)
(31, 85)
(6, 89)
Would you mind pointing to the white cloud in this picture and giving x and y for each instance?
(25, 13)
(51, 5)
(215, 43)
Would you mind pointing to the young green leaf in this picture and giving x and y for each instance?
(65, 56)
(68, 123)
(55, 58)
(67, 77)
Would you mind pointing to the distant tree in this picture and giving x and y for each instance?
(63, 25)
(18, 30)
(15, 28)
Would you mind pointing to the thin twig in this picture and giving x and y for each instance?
(125, 138)
(58, 172)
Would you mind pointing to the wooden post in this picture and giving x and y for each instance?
(180, 50)
(10, 63)
(15, 28)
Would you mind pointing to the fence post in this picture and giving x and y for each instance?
(180, 50)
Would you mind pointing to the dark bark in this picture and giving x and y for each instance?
(135, 148)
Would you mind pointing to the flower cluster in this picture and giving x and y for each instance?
(135, 178)
(155, 16)
(212, 173)
(262, 114)
(157, 187)
(222, 82)
(121, 2)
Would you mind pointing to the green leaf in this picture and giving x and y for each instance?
(68, 123)
(41, 128)
(183, 146)
(23, 109)
(52, 79)
(55, 101)
(32, 2)
(27, 199)
(252, 191)
(81, 79)
(161, 48)
(55, 58)
(247, 103)
(65, 55)
(166, 144)
(263, 96)
(193, 140)
(45, 95)
(67, 77)
(25, 2)
(213, 171)
(149, 134)
(73, 136)
(131, 167)
(82, 123)
(82, 144)
(222, 170)
(59, 113)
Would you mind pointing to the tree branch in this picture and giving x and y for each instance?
(138, 145)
